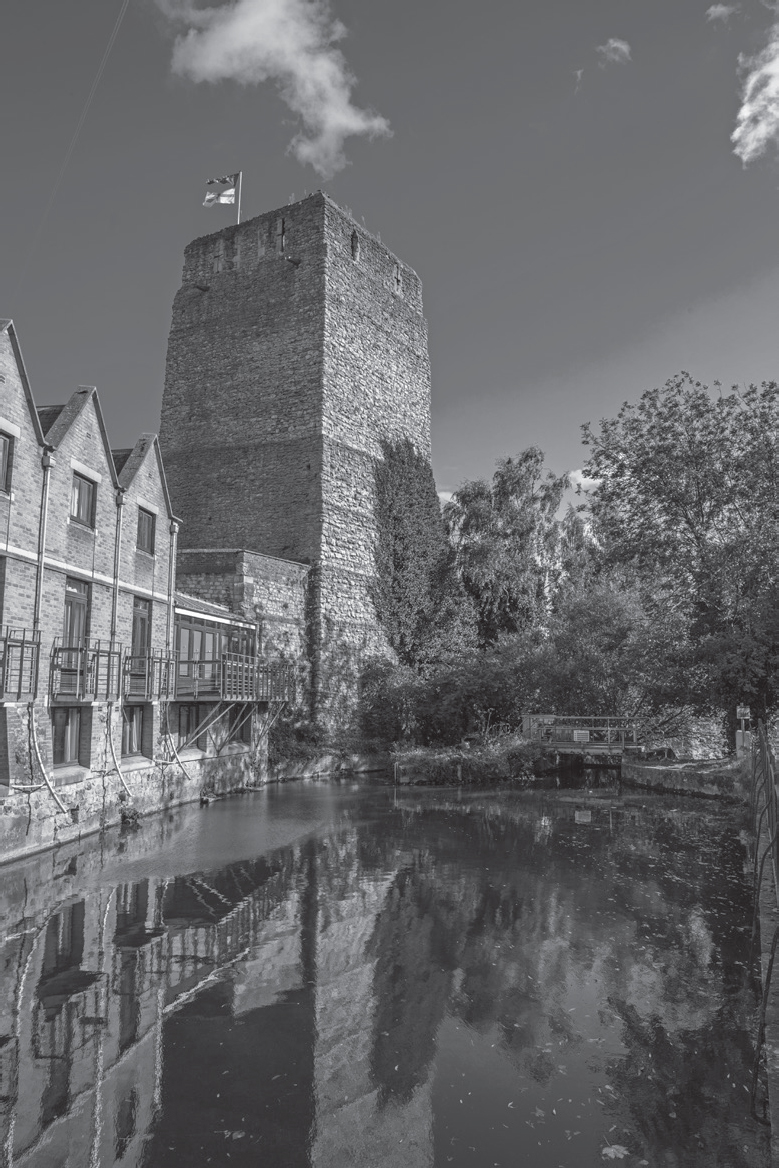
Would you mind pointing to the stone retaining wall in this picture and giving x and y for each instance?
(31, 821)
(713, 779)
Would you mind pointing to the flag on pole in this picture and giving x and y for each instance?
(226, 196)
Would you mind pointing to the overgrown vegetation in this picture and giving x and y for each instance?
(656, 598)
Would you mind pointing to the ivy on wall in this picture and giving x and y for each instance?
(417, 597)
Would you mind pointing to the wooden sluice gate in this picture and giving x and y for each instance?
(569, 734)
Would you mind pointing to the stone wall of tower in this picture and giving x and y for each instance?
(240, 429)
(297, 347)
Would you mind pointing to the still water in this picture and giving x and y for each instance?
(330, 975)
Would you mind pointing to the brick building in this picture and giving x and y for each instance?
(297, 346)
(111, 680)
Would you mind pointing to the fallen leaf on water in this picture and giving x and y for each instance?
(614, 1152)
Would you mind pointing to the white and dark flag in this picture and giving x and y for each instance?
(229, 181)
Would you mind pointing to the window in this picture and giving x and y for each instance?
(66, 732)
(82, 502)
(240, 723)
(74, 630)
(146, 524)
(141, 626)
(189, 718)
(6, 461)
(132, 730)
(281, 236)
(355, 246)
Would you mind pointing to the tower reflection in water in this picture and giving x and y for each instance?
(418, 986)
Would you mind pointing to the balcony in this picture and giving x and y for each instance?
(148, 678)
(275, 681)
(86, 672)
(235, 677)
(19, 659)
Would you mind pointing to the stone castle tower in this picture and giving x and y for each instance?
(297, 345)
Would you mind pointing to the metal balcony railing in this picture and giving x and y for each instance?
(88, 672)
(20, 653)
(196, 679)
(148, 677)
(235, 677)
(598, 733)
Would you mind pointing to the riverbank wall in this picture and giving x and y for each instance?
(709, 779)
(41, 818)
(37, 820)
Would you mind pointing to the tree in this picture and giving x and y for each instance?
(418, 599)
(506, 543)
(687, 492)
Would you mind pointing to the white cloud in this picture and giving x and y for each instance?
(445, 497)
(579, 479)
(757, 124)
(721, 12)
(291, 42)
(614, 51)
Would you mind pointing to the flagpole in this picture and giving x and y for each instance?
(240, 186)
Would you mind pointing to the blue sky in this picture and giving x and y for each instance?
(581, 236)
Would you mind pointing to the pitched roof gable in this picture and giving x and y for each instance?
(134, 459)
(48, 416)
(68, 415)
(7, 326)
(120, 458)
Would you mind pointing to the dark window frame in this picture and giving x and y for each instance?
(77, 492)
(151, 526)
(6, 461)
(62, 744)
(132, 730)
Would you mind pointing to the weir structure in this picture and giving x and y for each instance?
(297, 348)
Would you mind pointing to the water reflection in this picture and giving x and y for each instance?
(433, 979)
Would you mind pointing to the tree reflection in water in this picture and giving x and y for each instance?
(426, 980)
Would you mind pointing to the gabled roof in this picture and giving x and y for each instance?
(7, 326)
(120, 458)
(129, 462)
(48, 416)
(70, 412)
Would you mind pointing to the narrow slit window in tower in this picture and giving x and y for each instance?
(355, 246)
(281, 236)
(398, 281)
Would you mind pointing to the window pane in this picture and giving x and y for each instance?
(76, 611)
(141, 626)
(66, 726)
(132, 730)
(145, 540)
(81, 507)
(5, 460)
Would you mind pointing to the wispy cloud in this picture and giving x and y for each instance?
(721, 12)
(614, 51)
(291, 42)
(757, 124)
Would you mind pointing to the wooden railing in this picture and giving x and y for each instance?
(91, 671)
(20, 653)
(235, 677)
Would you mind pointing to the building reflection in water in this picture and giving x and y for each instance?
(311, 1007)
